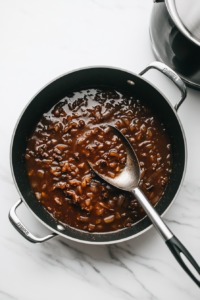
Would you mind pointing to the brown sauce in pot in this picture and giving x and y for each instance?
(75, 130)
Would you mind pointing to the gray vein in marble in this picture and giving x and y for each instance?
(120, 263)
(83, 256)
(152, 260)
(181, 223)
(6, 296)
(124, 266)
(48, 251)
(142, 257)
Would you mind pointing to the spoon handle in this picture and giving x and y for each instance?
(180, 253)
(158, 223)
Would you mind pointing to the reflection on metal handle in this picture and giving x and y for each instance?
(171, 75)
(158, 223)
(22, 229)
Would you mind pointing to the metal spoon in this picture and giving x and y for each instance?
(128, 180)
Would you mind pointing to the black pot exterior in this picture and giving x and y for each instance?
(171, 47)
(82, 79)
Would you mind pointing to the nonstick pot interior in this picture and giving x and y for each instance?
(82, 79)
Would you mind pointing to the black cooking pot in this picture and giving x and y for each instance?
(83, 79)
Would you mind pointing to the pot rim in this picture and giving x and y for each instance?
(59, 233)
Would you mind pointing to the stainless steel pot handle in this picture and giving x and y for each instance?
(171, 75)
(22, 229)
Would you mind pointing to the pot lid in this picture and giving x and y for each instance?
(186, 16)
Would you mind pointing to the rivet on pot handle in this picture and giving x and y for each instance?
(171, 75)
(23, 230)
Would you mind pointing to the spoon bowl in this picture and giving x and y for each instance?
(129, 178)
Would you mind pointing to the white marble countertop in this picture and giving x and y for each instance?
(39, 41)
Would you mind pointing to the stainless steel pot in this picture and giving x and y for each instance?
(175, 37)
(82, 79)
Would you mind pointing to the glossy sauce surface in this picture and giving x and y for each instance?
(75, 130)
